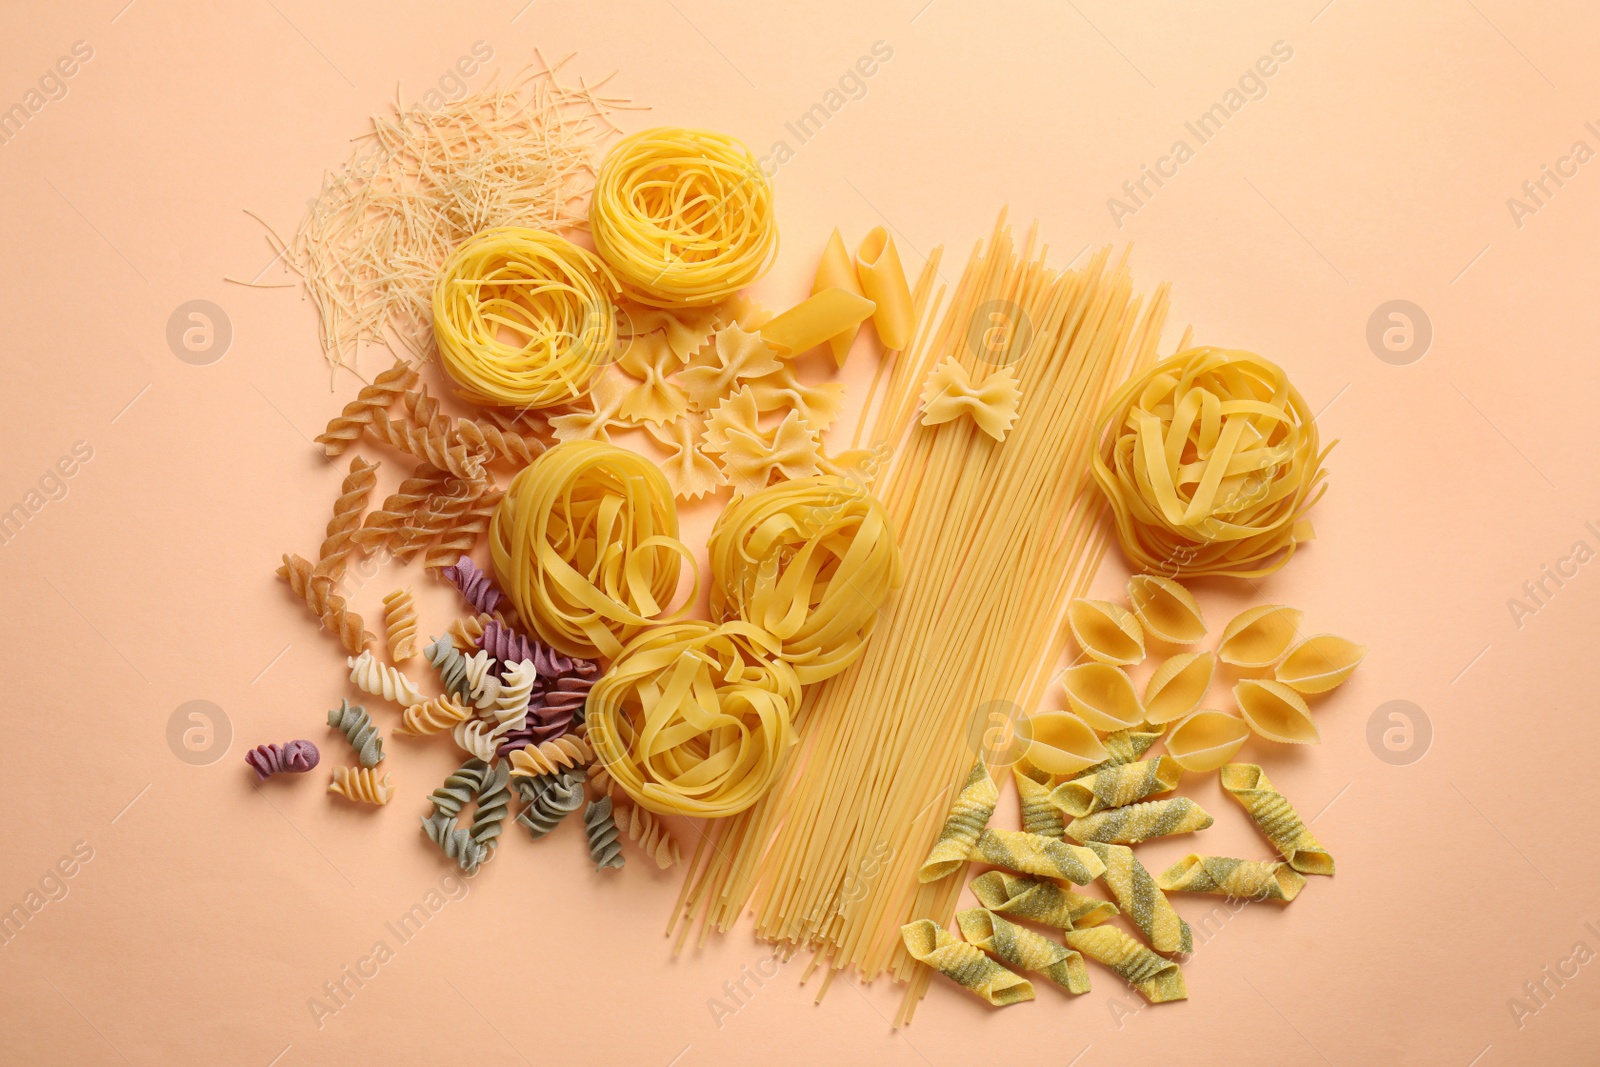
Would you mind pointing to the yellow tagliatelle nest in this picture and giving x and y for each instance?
(585, 543)
(523, 318)
(694, 718)
(683, 216)
(810, 561)
(1210, 461)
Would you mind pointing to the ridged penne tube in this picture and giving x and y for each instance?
(1319, 663)
(1226, 877)
(1039, 900)
(1155, 979)
(1124, 746)
(816, 319)
(1206, 739)
(1276, 712)
(837, 271)
(361, 784)
(1178, 686)
(1107, 632)
(1117, 786)
(1024, 949)
(1042, 856)
(883, 280)
(1061, 743)
(1140, 822)
(968, 816)
(967, 966)
(1141, 900)
(1258, 637)
(1102, 696)
(1039, 815)
(1277, 818)
(1167, 611)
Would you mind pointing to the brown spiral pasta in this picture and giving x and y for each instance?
(436, 445)
(464, 531)
(400, 625)
(398, 507)
(339, 539)
(349, 424)
(317, 591)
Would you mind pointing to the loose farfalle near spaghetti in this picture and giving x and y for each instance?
(991, 402)
(689, 470)
(694, 719)
(653, 398)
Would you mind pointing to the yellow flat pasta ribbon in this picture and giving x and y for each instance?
(968, 967)
(1024, 949)
(836, 271)
(815, 320)
(991, 404)
(1141, 900)
(1248, 784)
(1157, 980)
(883, 280)
(1031, 854)
(1228, 877)
(1117, 786)
(1039, 901)
(968, 816)
(1140, 822)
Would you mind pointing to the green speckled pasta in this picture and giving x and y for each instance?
(1141, 899)
(1227, 877)
(601, 827)
(1140, 822)
(1277, 818)
(1114, 787)
(1125, 746)
(930, 943)
(1042, 856)
(1039, 901)
(1024, 949)
(353, 721)
(1039, 816)
(962, 827)
(1153, 978)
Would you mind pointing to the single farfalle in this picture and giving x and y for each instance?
(652, 396)
(736, 356)
(683, 330)
(817, 405)
(950, 392)
(296, 757)
(752, 456)
(689, 470)
(595, 414)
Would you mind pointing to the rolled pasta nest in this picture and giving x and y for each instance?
(694, 718)
(684, 216)
(1210, 462)
(523, 318)
(810, 561)
(585, 543)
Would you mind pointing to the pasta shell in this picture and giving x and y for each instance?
(1319, 663)
(1258, 637)
(1178, 686)
(1207, 739)
(1168, 611)
(1061, 743)
(1107, 632)
(1103, 696)
(1276, 712)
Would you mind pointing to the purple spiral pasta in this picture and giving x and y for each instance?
(296, 757)
(476, 587)
(552, 711)
(507, 646)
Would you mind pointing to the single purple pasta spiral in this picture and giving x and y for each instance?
(552, 711)
(476, 587)
(296, 757)
(507, 646)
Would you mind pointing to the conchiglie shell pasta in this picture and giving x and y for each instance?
(1178, 686)
(1103, 696)
(1319, 663)
(1276, 712)
(1167, 610)
(1258, 637)
(1061, 743)
(1207, 739)
(1107, 632)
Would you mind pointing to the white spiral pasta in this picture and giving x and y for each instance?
(381, 680)
(511, 703)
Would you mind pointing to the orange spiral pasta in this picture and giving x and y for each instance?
(1210, 462)
(683, 216)
(694, 718)
(585, 542)
(523, 318)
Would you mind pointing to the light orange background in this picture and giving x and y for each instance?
(1377, 166)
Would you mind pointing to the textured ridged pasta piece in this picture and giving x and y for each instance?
(474, 585)
(1117, 786)
(1061, 743)
(736, 355)
(950, 392)
(451, 665)
(592, 418)
(1141, 900)
(1319, 663)
(1277, 818)
(454, 841)
(353, 721)
(1167, 610)
(1140, 822)
(818, 404)
(1155, 979)
(1107, 632)
(477, 738)
(1045, 857)
(1258, 637)
(464, 633)
(1039, 901)
(381, 680)
(346, 427)
(653, 397)
(432, 716)
(381, 526)
(837, 271)
(361, 784)
(479, 436)
(296, 757)
(1178, 686)
(1024, 949)
(815, 320)
(1039, 815)
(436, 445)
(600, 827)
(511, 702)
(967, 966)
(548, 799)
(339, 540)
(812, 562)
(689, 471)
(968, 817)
(1103, 696)
(489, 816)
(1227, 877)
(400, 625)
(317, 591)
(1206, 739)
(586, 544)
(1276, 712)
(1124, 746)
(460, 788)
(883, 280)
(648, 832)
(549, 757)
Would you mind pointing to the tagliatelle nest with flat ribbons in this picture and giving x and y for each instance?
(1210, 462)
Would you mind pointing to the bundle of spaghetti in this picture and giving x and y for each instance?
(997, 538)
(684, 216)
(423, 180)
(523, 318)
